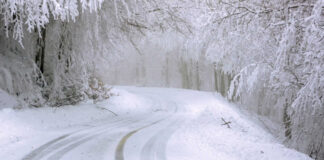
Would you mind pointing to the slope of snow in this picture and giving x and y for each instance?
(204, 137)
(24, 130)
(125, 103)
(139, 123)
(7, 101)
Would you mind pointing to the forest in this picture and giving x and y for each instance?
(266, 57)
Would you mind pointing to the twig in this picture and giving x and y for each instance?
(226, 123)
(108, 110)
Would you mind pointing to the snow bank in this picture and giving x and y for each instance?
(26, 129)
(124, 102)
(7, 101)
(206, 137)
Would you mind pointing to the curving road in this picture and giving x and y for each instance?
(181, 125)
(113, 140)
(127, 137)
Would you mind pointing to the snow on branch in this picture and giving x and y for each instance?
(35, 14)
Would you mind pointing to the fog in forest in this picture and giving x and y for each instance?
(262, 58)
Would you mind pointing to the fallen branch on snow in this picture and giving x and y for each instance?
(226, 123)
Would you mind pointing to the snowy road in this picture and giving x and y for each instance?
(151, 124)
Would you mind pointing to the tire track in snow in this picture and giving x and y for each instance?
(119, 153)
(34, 153)
(155, 147)
(66, 149)
(66, 139)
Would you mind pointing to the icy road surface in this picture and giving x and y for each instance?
(140, 124)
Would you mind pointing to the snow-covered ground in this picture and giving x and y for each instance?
(139, 124)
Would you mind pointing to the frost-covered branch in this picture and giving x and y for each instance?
(21, 15)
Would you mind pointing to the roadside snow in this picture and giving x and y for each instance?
(7, 101)
(24, 130)
(125, 102)
(204, 137)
